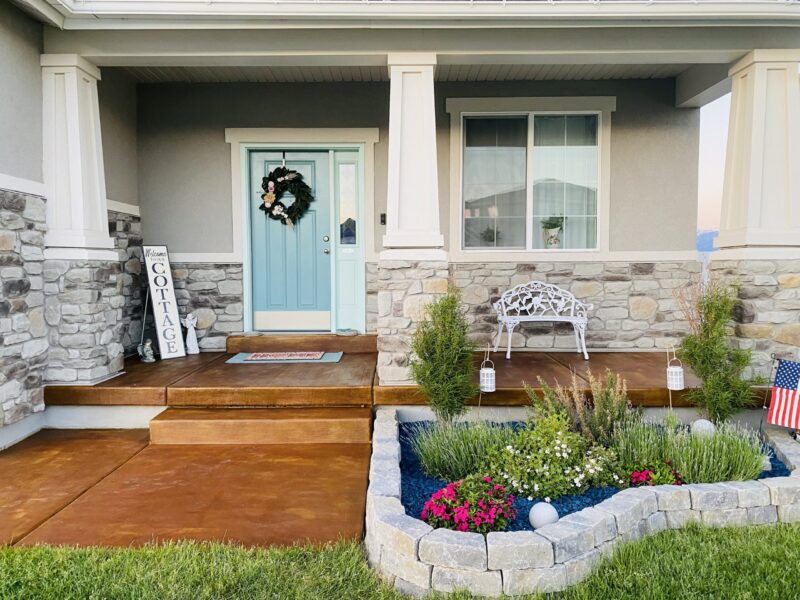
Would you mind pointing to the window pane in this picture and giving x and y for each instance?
(347, 203)
(582, 130)
(494, 181)
(479, 232)
(565, 177)
(580, 232)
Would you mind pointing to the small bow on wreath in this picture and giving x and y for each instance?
(275, 185)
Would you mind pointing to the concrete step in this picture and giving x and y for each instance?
(336, 425)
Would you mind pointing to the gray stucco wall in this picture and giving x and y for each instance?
(654, 154)
(184, 162)
(20, 94)
(117, 95)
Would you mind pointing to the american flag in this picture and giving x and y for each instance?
(784, 410)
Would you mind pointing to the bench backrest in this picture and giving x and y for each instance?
(540, 300)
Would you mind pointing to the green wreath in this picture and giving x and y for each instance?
(275, 185)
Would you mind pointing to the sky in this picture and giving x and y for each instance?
(713, 138)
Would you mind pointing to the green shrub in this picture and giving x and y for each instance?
(547, 460)
(707, 350)
(451, 451)
(594, 415)
(443, 365)
(730, 454)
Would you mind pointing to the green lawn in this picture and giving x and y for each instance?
(758, 563)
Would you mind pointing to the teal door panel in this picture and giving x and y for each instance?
(291, 266)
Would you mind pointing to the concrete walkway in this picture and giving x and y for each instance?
(110, 488)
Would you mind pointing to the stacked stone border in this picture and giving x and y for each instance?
(418, 559)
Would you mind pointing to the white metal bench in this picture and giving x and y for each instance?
(541, 302)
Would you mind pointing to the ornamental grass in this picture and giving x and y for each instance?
(732, 453)
(452, 451)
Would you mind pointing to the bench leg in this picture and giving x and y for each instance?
(580, 332)
(510, 329)
(499, 333)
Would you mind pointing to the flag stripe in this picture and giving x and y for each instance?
(784, 408)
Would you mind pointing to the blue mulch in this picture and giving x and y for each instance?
(417, 487)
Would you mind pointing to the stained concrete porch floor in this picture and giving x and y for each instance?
(110, 488)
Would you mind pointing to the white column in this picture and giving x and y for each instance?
(761, 194)
(77, 217)
(412, 215)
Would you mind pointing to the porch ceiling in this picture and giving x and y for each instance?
(307, 74)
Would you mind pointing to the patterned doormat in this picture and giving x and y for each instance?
(284, 357)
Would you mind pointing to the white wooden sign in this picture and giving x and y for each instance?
(162, 297)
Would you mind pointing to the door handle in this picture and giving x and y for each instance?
(325, 238)
(326, 251)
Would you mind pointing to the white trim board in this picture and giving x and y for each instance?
(602, 106)
(123, 207)
(21, 185)
(16, 432)
(100, 417)
(362, 140)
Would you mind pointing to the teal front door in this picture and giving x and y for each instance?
(291, 266)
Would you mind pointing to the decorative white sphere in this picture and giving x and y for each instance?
(542, 513)
(703, 428)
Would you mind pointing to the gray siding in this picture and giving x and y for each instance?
(20, 94)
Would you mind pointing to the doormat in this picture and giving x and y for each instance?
(261, 358)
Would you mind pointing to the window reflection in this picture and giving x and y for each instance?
(347, 203)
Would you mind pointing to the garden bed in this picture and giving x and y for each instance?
(417, 488)
(418, 558)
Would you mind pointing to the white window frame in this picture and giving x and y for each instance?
(458, 108)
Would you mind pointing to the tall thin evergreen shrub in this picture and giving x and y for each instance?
(442, 364)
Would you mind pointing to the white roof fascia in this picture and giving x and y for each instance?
(244, 14)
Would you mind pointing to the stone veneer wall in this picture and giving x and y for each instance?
(404, 289)
(213, 292)
(23, 331)
(768, 313)
(372, 297)
(634, 304)
(94, 308)
(84, 308)
(126, 230)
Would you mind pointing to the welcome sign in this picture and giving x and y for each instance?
(162, 297)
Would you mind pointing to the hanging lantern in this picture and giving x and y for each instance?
(488, 378)
(675, 375)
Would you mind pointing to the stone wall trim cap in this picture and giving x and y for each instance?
(519, 550)
(456, 549)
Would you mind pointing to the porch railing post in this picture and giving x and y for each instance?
(761, 193)
(412, 218)
(77, 217)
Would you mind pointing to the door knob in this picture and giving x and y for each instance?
(326, 251)
(325, 238)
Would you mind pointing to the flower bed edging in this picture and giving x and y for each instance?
(416, 558)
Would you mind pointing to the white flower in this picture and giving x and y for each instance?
(547, 450)
(535, 487)
(510, 448)
(547, 499)
(530, 498)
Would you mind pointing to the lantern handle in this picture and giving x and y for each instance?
(673, 359)
(487, 360)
